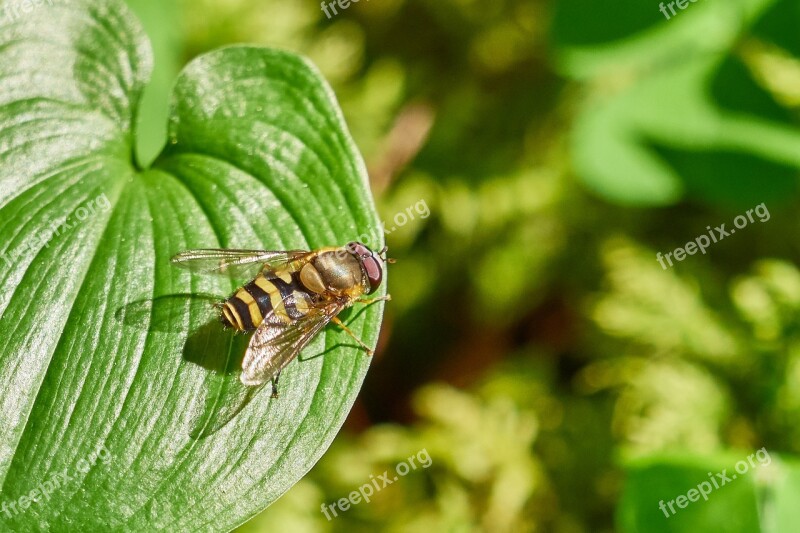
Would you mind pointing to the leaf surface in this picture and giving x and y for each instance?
(92, 406)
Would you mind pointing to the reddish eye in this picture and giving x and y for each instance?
(374, 272)
(371, 263)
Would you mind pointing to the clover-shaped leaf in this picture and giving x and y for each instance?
(96, 415)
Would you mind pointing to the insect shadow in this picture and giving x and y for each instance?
(219, 351)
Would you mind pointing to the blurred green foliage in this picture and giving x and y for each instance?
(534, 345)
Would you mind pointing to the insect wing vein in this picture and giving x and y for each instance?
(234, 263)
(275, 343)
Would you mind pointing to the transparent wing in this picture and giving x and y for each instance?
(275, 343)
(235, 263)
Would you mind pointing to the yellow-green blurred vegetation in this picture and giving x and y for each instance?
(534, 345)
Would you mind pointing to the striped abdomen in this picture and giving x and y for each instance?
(282, 292)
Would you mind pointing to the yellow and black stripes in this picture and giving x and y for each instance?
(278, 293)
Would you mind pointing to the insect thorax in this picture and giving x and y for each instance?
(340, 271)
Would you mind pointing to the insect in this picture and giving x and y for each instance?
(293, 295)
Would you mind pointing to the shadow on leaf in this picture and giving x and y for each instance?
(219, 351)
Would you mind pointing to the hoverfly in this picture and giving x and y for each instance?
(294, 295)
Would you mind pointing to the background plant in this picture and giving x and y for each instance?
(560, 379)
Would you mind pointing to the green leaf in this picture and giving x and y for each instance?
(690, 107)
(745, 492)
(258, 157)
(161, 21)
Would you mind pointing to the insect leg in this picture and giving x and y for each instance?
(275, 384)
(339, 323)
(369, 301)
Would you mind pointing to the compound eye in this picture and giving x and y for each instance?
(374, 270)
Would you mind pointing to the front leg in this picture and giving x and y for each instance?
(339, 323)
(370, 301)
